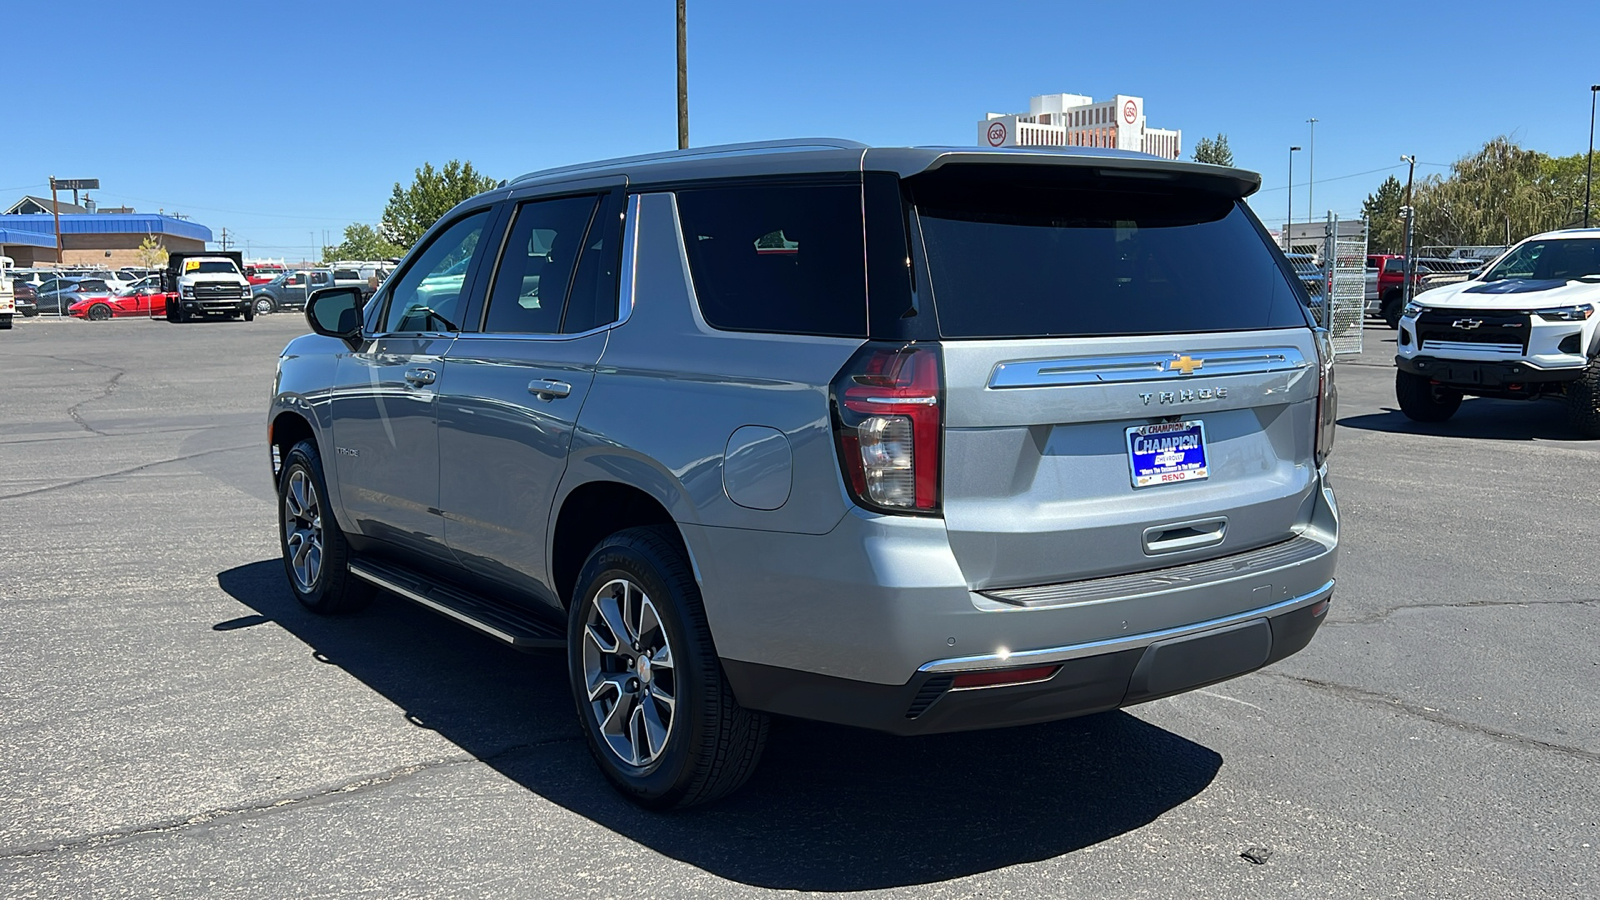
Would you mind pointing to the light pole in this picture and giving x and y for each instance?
(1588, 178)
(1411, 214)
(1287, 245)
(683, 76)
(1311, 176)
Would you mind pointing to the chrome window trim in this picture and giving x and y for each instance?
(1141, 367)
(625, 282)
(1005, 659)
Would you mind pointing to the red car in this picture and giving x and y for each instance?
(261, 273)
(147, 302)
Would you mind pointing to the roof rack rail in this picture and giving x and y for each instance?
(791, 144)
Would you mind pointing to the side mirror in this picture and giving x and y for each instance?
(336, 312)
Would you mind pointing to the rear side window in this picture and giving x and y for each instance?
(782, 259)
(1077, 255)
(1394, 267)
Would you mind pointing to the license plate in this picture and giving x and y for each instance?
(1167, 453)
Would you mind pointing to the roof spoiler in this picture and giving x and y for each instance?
(1136, 167)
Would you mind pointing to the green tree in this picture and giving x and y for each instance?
(361, 242)
(151, 254)
(1214, 151)
(411, 211)
(1500, 194)
(1385, 231)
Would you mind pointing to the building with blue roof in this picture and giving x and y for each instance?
(108, 239)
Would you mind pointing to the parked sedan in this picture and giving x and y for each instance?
(58, 295)
(145, 301)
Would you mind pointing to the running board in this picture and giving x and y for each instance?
(511, 624)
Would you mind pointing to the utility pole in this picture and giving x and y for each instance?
(224, 239)
(1588, 178)
(1311, 177)
(1288, 246)
(683, 75)
(1411, 215)
(55, 210)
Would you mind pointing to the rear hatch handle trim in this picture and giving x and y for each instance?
(1143, 367)
(1178, 536)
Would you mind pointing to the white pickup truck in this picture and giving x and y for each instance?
(1526, 328)
(201, 285)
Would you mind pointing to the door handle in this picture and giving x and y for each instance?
(420, 377)
(546, 389)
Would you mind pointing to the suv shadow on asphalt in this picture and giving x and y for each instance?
(829, 809)
(1480, 418)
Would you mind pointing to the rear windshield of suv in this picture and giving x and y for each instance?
(1082, 257)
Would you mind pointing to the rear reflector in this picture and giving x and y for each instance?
(1003, 677)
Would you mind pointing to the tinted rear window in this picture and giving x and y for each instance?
(1080, 256)
(784, 259)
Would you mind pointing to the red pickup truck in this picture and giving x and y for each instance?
(1386, 275)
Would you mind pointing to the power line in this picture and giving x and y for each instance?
(1335, 178)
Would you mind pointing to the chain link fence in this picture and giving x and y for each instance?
(1331, 262)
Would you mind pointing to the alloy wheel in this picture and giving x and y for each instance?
(629, 672)
(302, 520)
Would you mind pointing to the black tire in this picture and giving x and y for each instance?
(1583, 402)
(5, 323)
(99, 312)
(265, 305)
(710, 744)
(1422, 400)
(175, 313)
(331, 588)
(249, 314)
(1392, 307)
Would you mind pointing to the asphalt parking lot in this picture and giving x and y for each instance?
(172, 724)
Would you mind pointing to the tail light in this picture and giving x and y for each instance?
(1327, 397)
(887, 420)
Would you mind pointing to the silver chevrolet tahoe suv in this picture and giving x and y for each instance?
(913, 439)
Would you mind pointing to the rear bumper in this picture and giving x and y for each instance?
(1090, 678)
(878, 609)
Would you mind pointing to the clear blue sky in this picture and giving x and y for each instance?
(282, 120)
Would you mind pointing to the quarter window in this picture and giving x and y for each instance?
(777, 259)
(428, 298)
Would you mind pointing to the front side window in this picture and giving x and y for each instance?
(781, 259)
(428, 298)
(530, 286)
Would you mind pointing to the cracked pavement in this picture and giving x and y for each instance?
(172, 724)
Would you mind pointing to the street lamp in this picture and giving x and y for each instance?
(1311, 177)
(1287, 246)
(1588, 178)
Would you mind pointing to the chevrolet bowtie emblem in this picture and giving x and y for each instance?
(1466, 324)
(1185, 364)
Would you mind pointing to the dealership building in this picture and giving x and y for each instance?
(90, 238)
(1073, 120)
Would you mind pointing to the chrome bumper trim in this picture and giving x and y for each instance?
(1006, 659)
